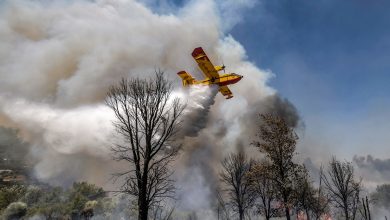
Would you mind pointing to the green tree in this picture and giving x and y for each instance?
(49, 202)
(10, 194)
(105, 206)
(53, 202)
(33, 195)
(80, 194)
(15, 211)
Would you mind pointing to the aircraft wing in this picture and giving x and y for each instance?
(204, 63)
(226, 92)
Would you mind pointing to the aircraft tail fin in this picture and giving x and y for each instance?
(186, 77)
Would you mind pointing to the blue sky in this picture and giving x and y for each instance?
(341, 46)
(331, 59)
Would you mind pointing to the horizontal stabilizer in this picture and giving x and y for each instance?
(186, 77)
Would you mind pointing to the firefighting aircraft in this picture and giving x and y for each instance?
(211, 73)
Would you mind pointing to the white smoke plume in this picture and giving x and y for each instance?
(58, 59)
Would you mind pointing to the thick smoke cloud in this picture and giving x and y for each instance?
(58, 60)
(272, 104)
(372, 170)
(369, 162)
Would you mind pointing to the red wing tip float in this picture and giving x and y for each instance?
(211, 73)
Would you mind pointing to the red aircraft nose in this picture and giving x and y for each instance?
(238, 79)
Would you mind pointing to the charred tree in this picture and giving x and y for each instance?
(234, 175)
(365, 209)
(263, 188)
(277, 140)
(342, 188)
(320, 205)
(305, 194)
(147, 121)
(221, 209)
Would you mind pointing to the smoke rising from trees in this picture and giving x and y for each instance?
(58, 60)
(375, 170)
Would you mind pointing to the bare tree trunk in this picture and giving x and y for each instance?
(286, 208)
(342, 187)
(234, 175)
(287, 212)
(241, 214)
(262, 187)
(143, 207)
(364, 209)
(147, 122)
(368, 209)
(346, 213)
(307, 214)
(267, 208)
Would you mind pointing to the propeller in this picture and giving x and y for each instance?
(223, 64)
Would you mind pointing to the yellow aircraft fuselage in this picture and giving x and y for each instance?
(222, 80)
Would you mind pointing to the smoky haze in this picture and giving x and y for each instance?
(374, 170)
(57, 61)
